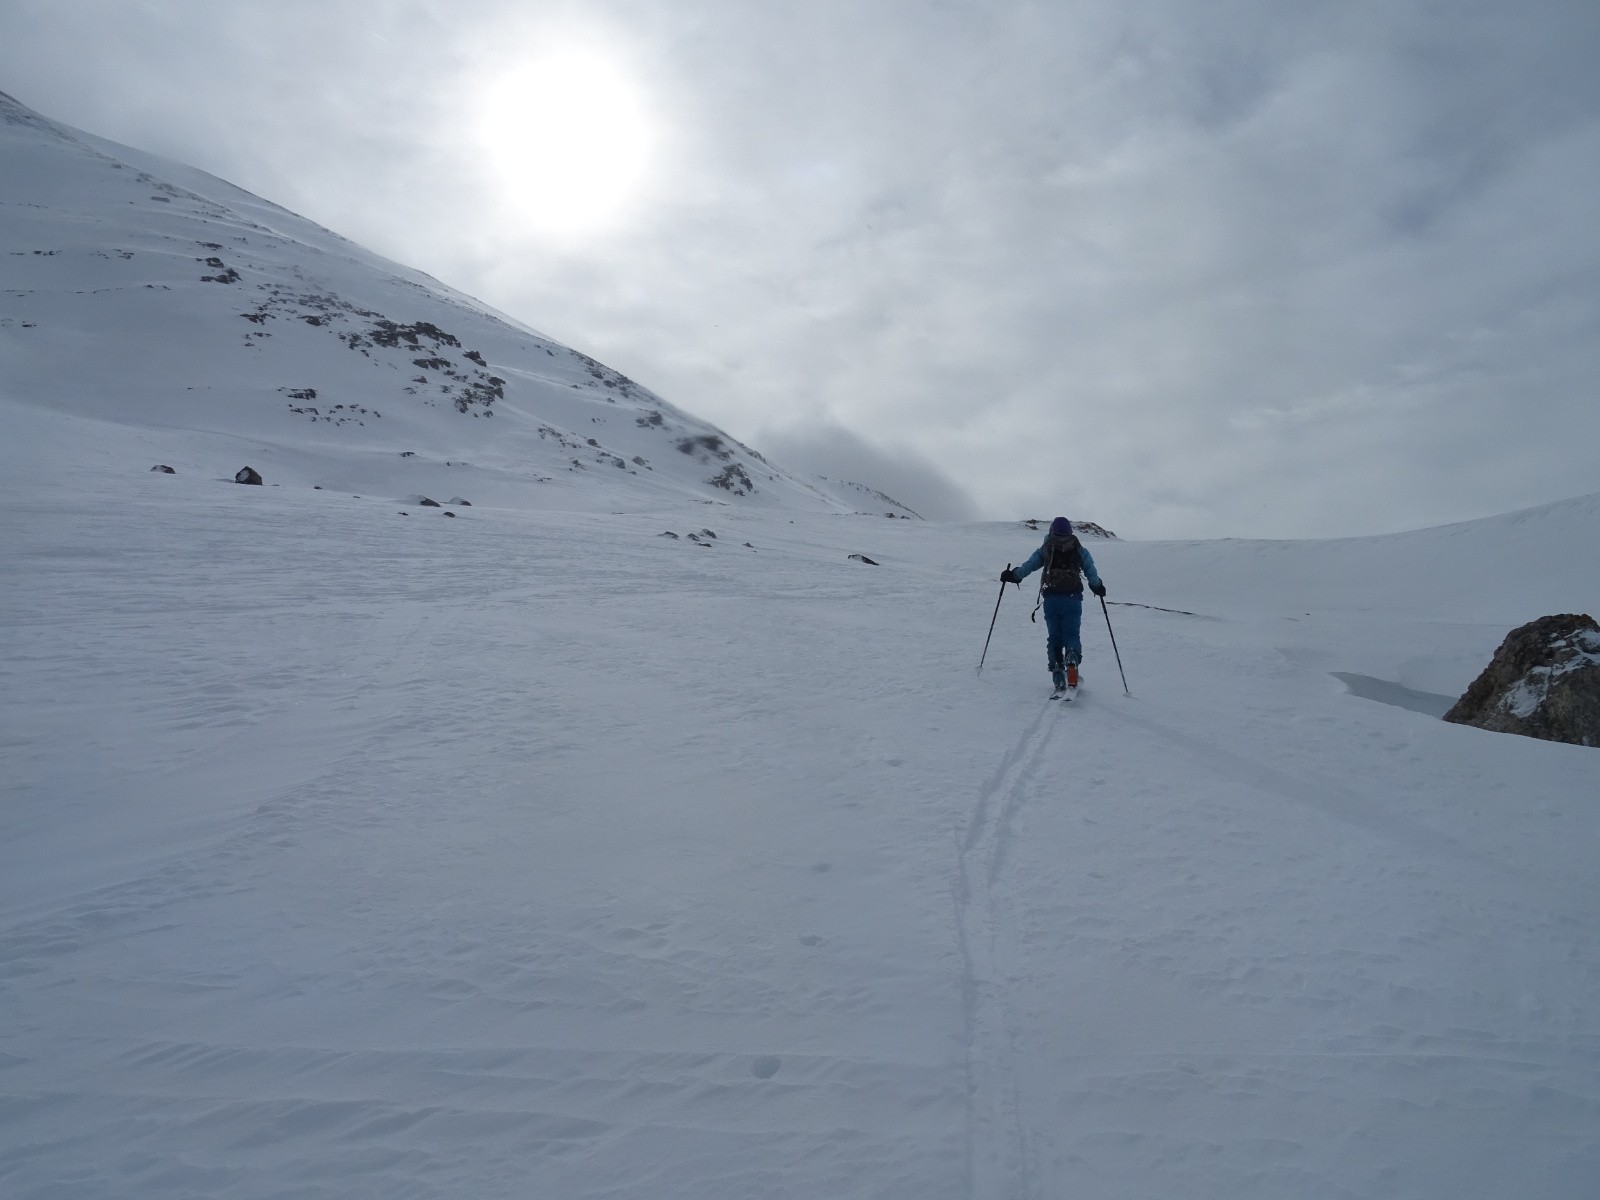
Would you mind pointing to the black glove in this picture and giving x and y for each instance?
(1099, 589)
(1010, 576)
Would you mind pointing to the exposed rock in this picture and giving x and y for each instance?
(457, 500)
(1543, 682)
(424, 502)
(247, 475)
(704, 447)
(871, 562)
(1082, 528)
(448, 513)
(667, 533)
(733, 478)
(1090, 529)
(164, 469)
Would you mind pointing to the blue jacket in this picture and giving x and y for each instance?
(1037, 561)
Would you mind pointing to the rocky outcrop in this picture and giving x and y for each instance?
(247, 475)
(1543, 682)
(1082, 528)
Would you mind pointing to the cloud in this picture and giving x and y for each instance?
(826, 449)
(1184, 269)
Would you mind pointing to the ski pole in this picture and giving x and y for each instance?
(992, 620)
(1114, 649)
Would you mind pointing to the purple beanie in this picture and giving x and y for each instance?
(1060, 527)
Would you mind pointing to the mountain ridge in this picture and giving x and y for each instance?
(151, 293)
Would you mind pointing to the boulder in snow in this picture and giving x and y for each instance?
(164, 469)
(1543, 682)
(247, 475)
(862, 558)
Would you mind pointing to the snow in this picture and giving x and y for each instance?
(530, 853)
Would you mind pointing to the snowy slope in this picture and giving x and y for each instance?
(149, 295)
(530, 853)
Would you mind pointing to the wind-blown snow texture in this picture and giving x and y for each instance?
(529, 853)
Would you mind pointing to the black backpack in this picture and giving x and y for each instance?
(1063, 566)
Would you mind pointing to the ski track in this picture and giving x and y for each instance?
(998, 1165)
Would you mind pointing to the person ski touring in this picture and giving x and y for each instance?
(1066, 564)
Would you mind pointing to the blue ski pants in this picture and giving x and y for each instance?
(1063, 618)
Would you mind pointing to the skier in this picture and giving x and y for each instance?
(1066, 563)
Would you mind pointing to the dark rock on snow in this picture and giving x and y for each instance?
(164, 469)
(1543, 682)
(247, 475)
(457, 500)
(424, 502)
(1082, 528)
(871, 562)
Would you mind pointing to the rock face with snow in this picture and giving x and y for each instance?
(1084, 529)
(1543, 682)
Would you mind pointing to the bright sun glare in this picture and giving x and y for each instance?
(566, 137)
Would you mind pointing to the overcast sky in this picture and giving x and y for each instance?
(1237, 267)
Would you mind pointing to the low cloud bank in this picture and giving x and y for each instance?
(832, 450)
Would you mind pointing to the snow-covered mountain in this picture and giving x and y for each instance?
(152, 296)
(534, 853)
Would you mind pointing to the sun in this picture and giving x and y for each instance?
(567, 139)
